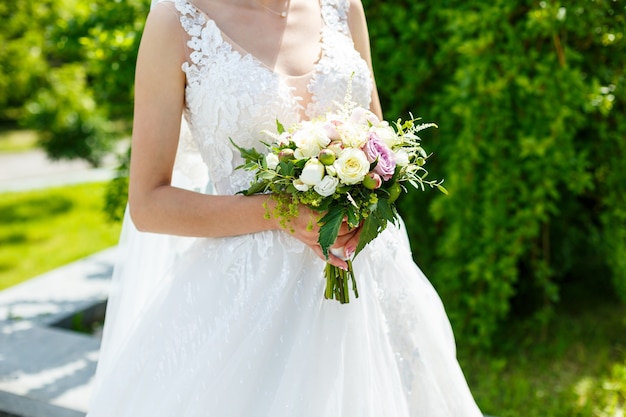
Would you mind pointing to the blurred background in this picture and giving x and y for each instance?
(529, 249)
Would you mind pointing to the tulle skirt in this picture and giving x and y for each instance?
(238, 327)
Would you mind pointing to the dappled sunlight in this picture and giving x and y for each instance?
(606, 394)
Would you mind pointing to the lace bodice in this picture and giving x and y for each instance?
(230, 94)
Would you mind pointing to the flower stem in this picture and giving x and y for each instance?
(338, 283)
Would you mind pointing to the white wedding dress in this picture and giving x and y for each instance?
(239, 327)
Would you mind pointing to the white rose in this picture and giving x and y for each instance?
(300, 186)
(330, 170)
(352, 166)
(313, 172)
(326, 186)
(309, 140)
(386, 134)
(402, 157)
(271, 160)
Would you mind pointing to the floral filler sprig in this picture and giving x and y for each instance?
(347, 165)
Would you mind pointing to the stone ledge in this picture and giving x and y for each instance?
(46, 370)
(19, 406)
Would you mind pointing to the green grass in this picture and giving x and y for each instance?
(18, 140)
(574, 367)
(45, 229)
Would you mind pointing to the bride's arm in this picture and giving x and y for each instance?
(360, 36)
(157, 206)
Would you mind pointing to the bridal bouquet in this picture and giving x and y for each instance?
(347, 165)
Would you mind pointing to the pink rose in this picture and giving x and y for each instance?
(330, 129)
(364, 117)
(377, 150)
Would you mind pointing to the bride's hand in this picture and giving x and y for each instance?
(305, 228)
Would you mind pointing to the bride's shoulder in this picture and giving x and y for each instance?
(356, 13)
(356, 17)
(163, 14)
(165, 19)
(163, 40)
(163, 31)
(355, 4)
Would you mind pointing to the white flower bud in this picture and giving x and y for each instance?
(313, 172)
(271, 160)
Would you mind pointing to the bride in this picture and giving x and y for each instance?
(217, 311)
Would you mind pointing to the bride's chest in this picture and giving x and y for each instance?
(216, 69)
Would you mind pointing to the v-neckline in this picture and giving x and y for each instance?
(236, 48)
(303, 104)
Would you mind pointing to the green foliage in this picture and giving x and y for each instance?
(530, 101)
(67, 68)
(116, 196)
(572, 368)
(65, 113)
(22, 61)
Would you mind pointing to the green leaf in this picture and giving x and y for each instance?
(352, 217)
(299, 163)
(267, 175)
(249, 155)
(325, 204)
(255, 188)
(286, 168)
(384, 210)
(329, 228)
(279, 127)
(371, 228)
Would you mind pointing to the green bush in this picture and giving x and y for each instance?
(67, 68)
(22, 59)
(65, 113)
(529, 97)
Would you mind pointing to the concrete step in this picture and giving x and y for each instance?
(45, 368)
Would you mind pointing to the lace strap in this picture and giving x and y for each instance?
(191, 19)
(335, 15)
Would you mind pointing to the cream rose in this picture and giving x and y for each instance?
(353, 136)
(309, 141)
(352, 166)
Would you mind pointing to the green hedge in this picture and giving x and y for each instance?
(530, 100)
